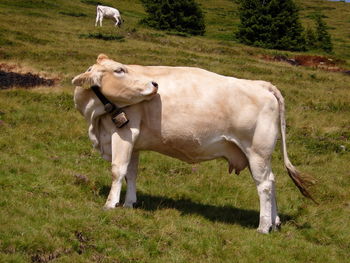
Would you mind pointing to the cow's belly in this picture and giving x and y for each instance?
(109, 15)
(186, 150)
(194, 149)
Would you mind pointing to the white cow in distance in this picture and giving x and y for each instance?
(109, 12)
(190, 114)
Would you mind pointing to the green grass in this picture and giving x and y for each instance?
(186, 213)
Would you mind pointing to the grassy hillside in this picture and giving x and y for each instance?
(53, 184)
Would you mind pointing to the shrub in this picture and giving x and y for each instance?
(271, 24)
(91, 2)
(175, 15)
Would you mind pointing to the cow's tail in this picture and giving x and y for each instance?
(98, 9)
(302, 181)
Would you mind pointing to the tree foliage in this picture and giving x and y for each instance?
(175, 15)
(310, 38)
(271, 24)
(324, 41)
(319, 38)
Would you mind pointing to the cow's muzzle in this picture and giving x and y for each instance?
(152, 89)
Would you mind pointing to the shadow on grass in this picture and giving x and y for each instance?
(223, 214)
(105, 37)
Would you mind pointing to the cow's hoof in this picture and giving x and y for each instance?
(128, 205)
(264, 230)
(109, 206)
(277, 224)
(272, 228)
(265, 225)
(275, 228)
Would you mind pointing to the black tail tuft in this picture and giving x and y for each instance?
(302, 181)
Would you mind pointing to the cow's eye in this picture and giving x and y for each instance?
(89, 69)
(119, 71)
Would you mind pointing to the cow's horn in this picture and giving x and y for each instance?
(101, 57)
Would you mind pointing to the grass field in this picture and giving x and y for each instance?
(53, 184)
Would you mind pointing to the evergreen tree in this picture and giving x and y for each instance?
(324, 41)
(271, 24)
(311, 39)
(178, 15)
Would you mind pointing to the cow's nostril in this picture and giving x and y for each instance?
(155, 84)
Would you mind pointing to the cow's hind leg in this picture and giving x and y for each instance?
(97, 18)
(265, 182)
(259, 156)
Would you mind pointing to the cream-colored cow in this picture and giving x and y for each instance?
(109, 12)
(190, 114)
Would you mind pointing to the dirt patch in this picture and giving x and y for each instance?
(320, 62)
(12, 76)
(84, 241)
(45, 257)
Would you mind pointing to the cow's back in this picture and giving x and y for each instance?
(107, 11)
(199, 100)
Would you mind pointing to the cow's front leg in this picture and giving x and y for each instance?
(122, 150)
(130, 198)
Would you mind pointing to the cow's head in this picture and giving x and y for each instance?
(118, 82)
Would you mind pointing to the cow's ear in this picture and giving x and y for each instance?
(101, 57)
(83, 79)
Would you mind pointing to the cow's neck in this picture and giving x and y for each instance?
(119, 117)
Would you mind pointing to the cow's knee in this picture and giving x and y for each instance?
(118, 172)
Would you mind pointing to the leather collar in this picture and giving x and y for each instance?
(119, 117)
